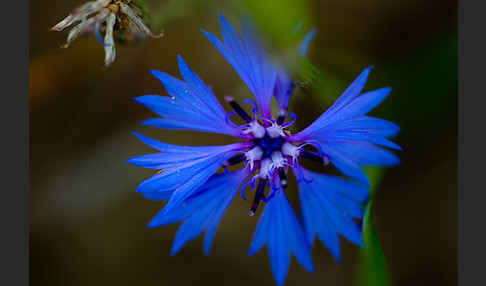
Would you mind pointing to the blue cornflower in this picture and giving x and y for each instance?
(198, 196)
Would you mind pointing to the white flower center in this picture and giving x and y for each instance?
(291, 151)
(275, 131)
(255, 129)
(253, 155)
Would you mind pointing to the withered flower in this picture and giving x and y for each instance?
(120, 20)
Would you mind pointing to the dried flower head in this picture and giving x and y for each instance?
(121, 20)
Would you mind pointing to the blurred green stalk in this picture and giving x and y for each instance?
(373, 269)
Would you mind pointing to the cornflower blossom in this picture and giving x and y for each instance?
(198, 196)
(122, 18)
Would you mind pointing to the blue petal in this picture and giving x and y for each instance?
(172, 158)
(367, 124)
(329, 204)
(363, 153)
(151, 142)
(192, 104)
(249, 60)
(279, 228)
(362, 128)
(162, 105)
(200, 125)
(184, 169)
(203, 211)
(347, 136)
(358, 136)
(304, 44)
(204, 94)
(283, 90)
(150, 189)
(359, 106)
(348, 95)
(347, 165)
(174, 155)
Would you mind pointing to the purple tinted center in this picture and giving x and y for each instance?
(269, 144)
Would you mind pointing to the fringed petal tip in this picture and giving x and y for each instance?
(369, 68)
(161, 76)
(132, 161)
(304, 45)
(329, 206)
(202, 211)
(141, 99)
(283, 237)
(153, 224)
(139, 136)
(147, 140)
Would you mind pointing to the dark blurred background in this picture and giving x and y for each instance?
(88, 226)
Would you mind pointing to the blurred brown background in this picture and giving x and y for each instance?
(87, 222)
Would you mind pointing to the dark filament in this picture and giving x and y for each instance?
(236, 159)
(269, 144)
(283, 177)
(242, 113)
(259, 194)
(314, 157)
(280, 119)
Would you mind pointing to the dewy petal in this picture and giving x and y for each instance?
(329, 205)
(346, 135)
(184, 168)
(192, 105)
(109, 42)
(248, 58)
(280, 230)
(284, 85)
(197, 86)
(202, 212)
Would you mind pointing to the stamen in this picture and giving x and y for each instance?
(278, 160)
(264, 119)
(291, 150)
(300, 175)
(266, 168)
(314, 144)
(315, 157)
(253, 155)
(294, 117)
(236, 159)
(259, 194)
(326, 160)
(242, 192)
(283, 177)
(254, 110)
(255, 128)
(281, 117)
(240, 111)
(275, 131)
(227, 119)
